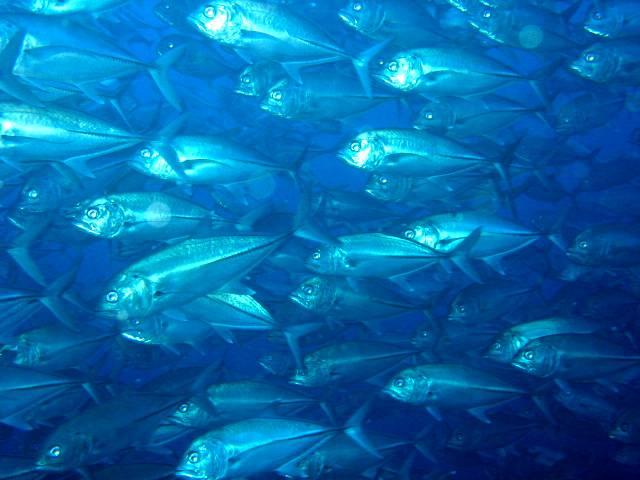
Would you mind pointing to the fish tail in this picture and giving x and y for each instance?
(159, 73)
(361, 65)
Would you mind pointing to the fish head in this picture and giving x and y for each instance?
(463, 309)
(205, 459)
(426, 335)
(504, 348)
(461, 438)
(52, 7)
(284, 99)
(366, 151)
(626, 428)
(585, 249)
(220, 20)
(569, 120)
(402, 72)
(129, 296)
(317, 294)
(603, 21)
(436, 116)
(151, 160)
(410, 386)
(312, 466)
(365, 16)
(596, 63)
(64, 452)
(252, 81)
(330, 259)
(536, 358)
(489, 20)
(390, 188)
(100, 217)
(464, 5)
(39, 195)
(316, 372)
(192, 413)
(28, 353)
(423, 233)
(171, 42)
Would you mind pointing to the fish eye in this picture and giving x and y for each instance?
(590, 57)
(33, 194)
(597, 14)
(497, 346)
(461, 307)
(528, 354)
(393, 66)
(357, 7)
(399, 382)
(424, 333)
(112, 296)
(145, 153)
(486, 14)
(625, 427)
(383, 180)
(309, 289)
(92, 213)
(410, 234)
(583, 245)
(459, 437)
(245, 78)
(184, 408)
(428, 115)
(194, 457)
(316, 255)
(355, 146)
(55, 451)
(209, 11)
(276, 95)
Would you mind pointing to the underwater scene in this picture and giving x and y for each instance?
(319, 239)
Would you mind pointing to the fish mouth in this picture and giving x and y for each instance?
(135, 336)
(523, 366)
(573, 255)
(245, 92)
(595, 31)
(347, 18)
(188, 474)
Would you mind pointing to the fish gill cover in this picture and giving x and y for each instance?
(332, 239)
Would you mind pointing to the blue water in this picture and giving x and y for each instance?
(556, 442)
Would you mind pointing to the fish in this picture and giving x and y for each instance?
(404, 21)
(571, 356)
(320, 98)
(440, 71)
(613, 62)
(451, 386)
(463, 117)
(270, 32)
(348, 362)
(411, 152)
(509, 343)
(140, 216)
(182, 272)
(497, 237)
(66, 7)
(202, 160)
(37, 134)
(613, 245)
(617, 19)
(252, 446)
(371, 255)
